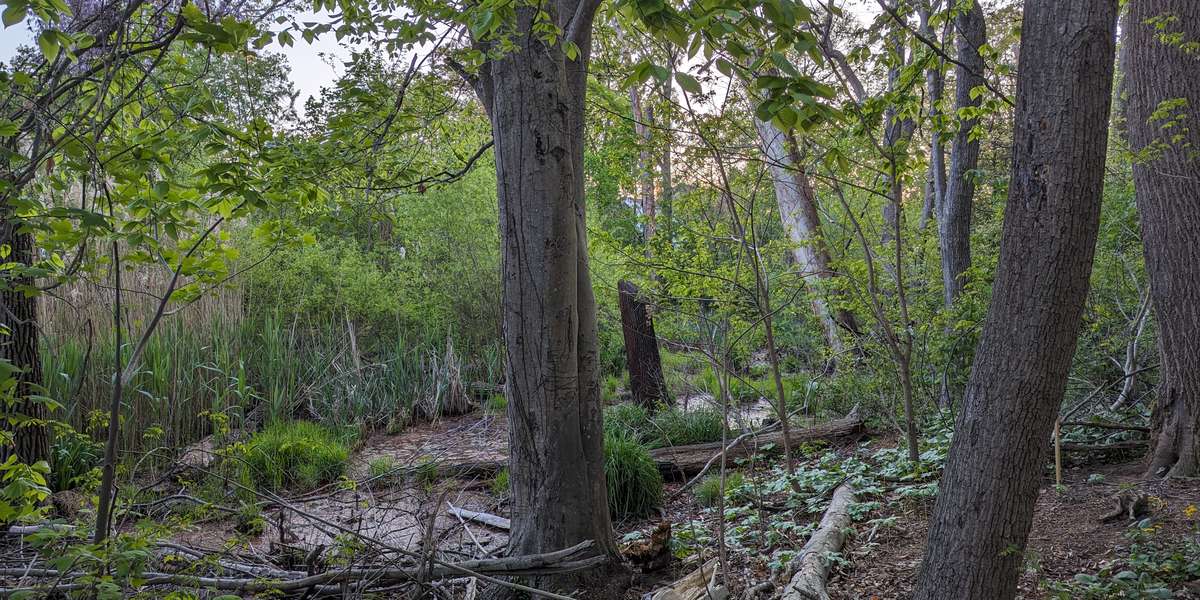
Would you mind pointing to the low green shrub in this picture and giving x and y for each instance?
(497, 403)
(73, 457)
(708, 491)
(635, 486)
(298, 454)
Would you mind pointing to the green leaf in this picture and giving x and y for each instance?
(15, 13)
(688, 83)
(48, 42)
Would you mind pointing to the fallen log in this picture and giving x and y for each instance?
(1107, 425)
(681, 462)
(812, 566)
(1125, 445)
(488, 519)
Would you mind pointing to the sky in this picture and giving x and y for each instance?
(318, 64)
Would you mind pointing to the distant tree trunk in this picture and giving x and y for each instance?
(798, 210)
(1163, 105)
(646, 380)
(643, 117)
(534, 96)
(19, 344)
(981, 521)
(954, 218)
(935, 83)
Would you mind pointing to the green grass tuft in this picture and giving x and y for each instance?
(635, 486)
(297, 455)
(708, 491)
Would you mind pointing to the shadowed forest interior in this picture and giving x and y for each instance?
(625, 299)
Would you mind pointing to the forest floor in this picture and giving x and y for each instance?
(880, 561)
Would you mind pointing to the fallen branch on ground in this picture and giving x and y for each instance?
(813, 565)
(479, 517)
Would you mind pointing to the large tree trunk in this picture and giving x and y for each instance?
(646, 381)
(549, 312)
(1166, 175)
(954, 213)
(535, 98)
(19, 345)
(984, 509)
(798, 210)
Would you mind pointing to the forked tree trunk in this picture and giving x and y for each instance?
(1163, 103)
(534, 96)
(797, 204)
(981, 522)
(954, 213)
(19, 346)
(646, 382)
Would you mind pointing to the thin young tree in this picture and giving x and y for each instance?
(984, 509)
(1162, 84)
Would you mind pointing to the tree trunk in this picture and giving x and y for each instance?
(798, 210)
(643, 117)
(954, 213)
(534, 96)
(982, 518)
(935, 84)
(19, 345)
(646, 380)
(1163, 90)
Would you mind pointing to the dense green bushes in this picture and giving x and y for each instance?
(666, 427)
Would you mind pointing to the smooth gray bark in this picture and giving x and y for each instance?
(954, 213)
(984, 509)
(534, 96)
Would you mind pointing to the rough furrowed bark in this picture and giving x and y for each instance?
(1163, 102)
(19, 346)
(812, 566)
(646, 381)
(984, 508)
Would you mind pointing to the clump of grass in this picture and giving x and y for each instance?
(674, 427)
(626, 419)
(299, 454)
(381, 467)
(635, 486)
(426, 473)
(497, 403)
(250, 520)
(708, 491)
(500, 483)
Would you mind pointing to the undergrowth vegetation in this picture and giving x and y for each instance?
(635, 485)
(297, 455)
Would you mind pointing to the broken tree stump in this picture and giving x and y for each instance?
(646, 381)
